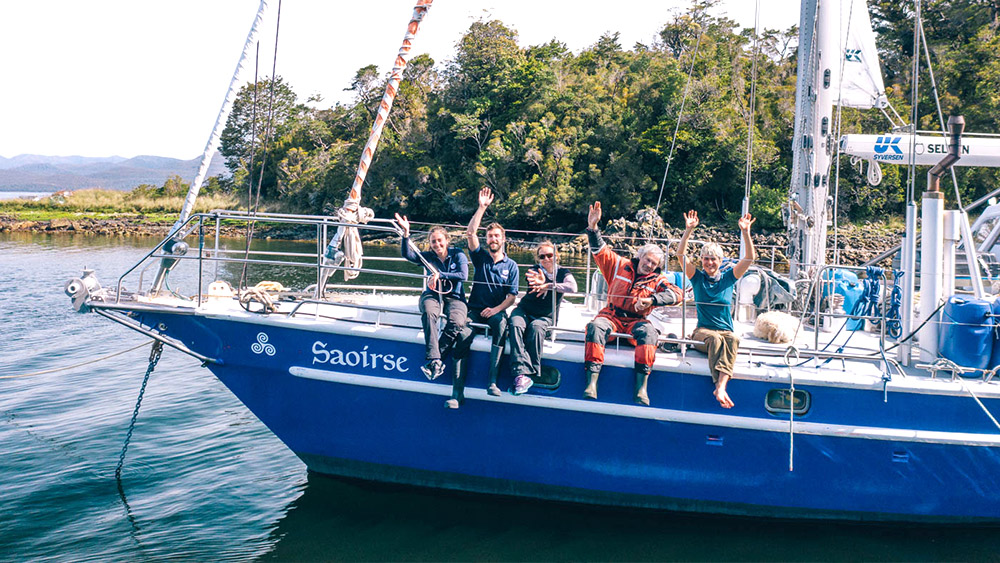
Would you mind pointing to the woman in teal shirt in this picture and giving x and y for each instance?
(713, 296)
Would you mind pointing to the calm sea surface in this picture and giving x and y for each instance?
(204, 480)
(18, 195)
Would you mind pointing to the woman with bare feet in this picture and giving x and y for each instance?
(713, 296)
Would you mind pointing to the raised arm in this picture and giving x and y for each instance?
(690, 223)
(593, 233)
(744, 264)
(406, 246)
(472, 232)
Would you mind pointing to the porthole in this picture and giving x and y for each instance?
(777, 401)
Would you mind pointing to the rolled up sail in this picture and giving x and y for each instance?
(860, 84)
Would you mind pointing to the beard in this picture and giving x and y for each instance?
(494, 246)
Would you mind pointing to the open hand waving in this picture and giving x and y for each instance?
(404, 224)
(594, 216)
(485, 197)
(691, 219)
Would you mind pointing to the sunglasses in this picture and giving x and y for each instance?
(545, 255)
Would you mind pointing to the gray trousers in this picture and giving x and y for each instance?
(455, 311)
(527, 335)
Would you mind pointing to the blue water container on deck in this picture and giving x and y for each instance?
(966, 333)
(995, 356)
(846, 283)
(678, 279)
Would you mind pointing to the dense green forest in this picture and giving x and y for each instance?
(550, 130)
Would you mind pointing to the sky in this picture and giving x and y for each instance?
(148, 77)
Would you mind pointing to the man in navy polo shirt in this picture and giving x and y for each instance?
(494, 289)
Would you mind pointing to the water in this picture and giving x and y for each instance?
(20, 195)
(204, 480)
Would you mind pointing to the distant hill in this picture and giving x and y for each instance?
(32, 172)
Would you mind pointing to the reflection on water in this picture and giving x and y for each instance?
(352, 520)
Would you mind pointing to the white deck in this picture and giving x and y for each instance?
(395, 316)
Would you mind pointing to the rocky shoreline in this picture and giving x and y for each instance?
(857, 243)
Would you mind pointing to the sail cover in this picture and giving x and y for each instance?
(861, 85)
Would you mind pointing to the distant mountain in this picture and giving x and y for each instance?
(27, 159)
(32, 172)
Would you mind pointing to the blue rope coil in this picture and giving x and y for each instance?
(893, 324)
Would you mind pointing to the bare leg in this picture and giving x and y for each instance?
(720, 391)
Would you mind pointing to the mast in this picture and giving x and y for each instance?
(813, 140)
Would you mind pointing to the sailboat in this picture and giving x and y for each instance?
(865, 431)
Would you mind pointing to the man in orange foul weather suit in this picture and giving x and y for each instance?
(635, 287)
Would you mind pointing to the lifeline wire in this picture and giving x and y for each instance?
(753, 104)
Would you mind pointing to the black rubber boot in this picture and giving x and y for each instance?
(592, 370)
(641, 379)
(496, 353)
(458, 383)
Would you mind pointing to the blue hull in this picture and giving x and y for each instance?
(358, 406)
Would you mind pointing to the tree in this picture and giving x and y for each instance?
(258, 130)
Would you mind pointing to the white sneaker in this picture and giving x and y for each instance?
(451, 404)
(521, 384)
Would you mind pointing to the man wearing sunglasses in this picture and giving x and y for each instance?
(535, 313)
(635, 288)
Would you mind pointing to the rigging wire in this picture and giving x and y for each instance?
(680, 114)
(911, 189)
(937, 101)
(253, 150)
(839, 128)
(753, 104)
(268, 133)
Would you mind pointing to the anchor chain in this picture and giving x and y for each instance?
(154, 357)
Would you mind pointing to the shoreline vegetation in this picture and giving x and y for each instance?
(132, 214)
(550, 130)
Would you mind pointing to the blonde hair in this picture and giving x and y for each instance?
(712, 249)
(650, 249)
(543, 244)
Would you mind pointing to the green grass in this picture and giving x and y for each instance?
(109, 204)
